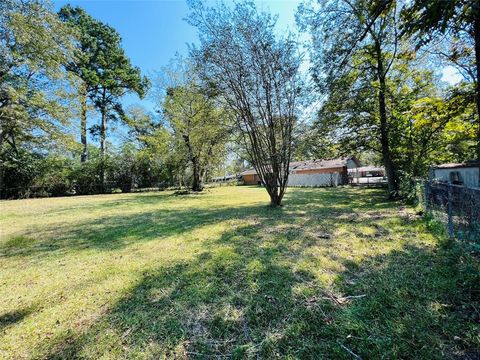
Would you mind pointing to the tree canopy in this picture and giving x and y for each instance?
(103, 67)
(238, 99)
(256, 74)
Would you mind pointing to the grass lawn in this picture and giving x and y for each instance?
(221, 275)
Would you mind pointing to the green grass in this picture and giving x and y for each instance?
(221, 275)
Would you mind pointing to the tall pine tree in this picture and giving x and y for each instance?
(105, 71)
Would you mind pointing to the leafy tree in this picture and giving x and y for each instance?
(18, 170)
(354, 62)
(155, 157)
(424, 120)
(459, 22)
(53, 177)
(434, 130)
(34, 97)
(126, 174)
(256, 75)
(33, 47)
(141, 125)
(104, 68)
(199, 126)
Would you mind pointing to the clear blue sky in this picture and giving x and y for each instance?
(153, 31)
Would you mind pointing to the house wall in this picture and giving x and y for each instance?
(315, 179)
(319, 171)
(309, 177)
(351, 164)
(469, 175)
(251, 179)
(318, 177)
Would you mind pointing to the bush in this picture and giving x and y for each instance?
(29, 174)
(87, 177)
(18, 170)
(54, 178)
(409, 189)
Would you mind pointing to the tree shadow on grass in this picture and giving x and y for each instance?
(13, 317)
(419, 303)
(240, 298)
(247, 295)
(342, 198)
(117, 231)
(112, 232)
(234, 299)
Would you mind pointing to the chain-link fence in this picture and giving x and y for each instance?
(456, 206)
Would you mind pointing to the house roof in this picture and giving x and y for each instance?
(311, 165)
(249, 172)
(367, 168)
(457, 165)
(318, 164)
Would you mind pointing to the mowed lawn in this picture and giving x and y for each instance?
(221, 275)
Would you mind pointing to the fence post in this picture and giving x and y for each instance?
(426, 194)
(449, 210)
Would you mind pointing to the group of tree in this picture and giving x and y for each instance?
(241, 84)
(62, 77)
(53, 68)
(375, 64)
(374, 72)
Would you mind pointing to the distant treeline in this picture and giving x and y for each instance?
(374, 89)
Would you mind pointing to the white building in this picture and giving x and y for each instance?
(467, 174)
(311, 173)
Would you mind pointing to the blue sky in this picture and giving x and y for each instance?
(154, 31)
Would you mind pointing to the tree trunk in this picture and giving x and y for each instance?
(384, 140)
(476, 31)
(196, 181)
(103, 146)
(103, 133)
(275, 200)
(271, 179)
(387, 157)
(197, 174)
(274, 191)
(83, 124)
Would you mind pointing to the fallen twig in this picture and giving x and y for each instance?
(342, 300)
(354, 297)
(350, 351)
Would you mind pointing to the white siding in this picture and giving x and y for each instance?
(469, 175)
(312, 180)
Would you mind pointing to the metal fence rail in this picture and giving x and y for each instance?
(458, 207)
